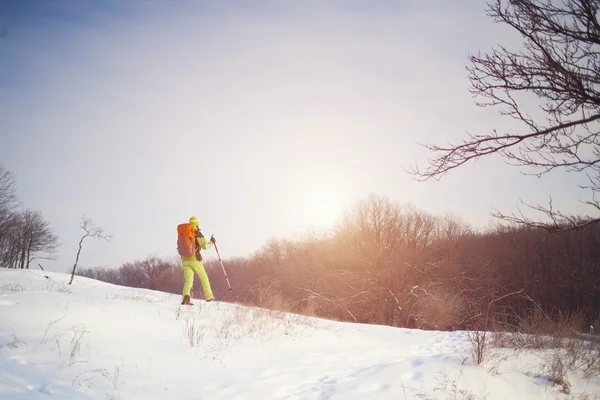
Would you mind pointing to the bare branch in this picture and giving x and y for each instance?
(559, 64)
(559, 222)
(337, 303)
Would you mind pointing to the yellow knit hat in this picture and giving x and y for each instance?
(194, 221)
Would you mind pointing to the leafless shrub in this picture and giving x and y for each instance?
(14, 287)
(113, 377)
(15, 342)
(48, 327)
(590, 364)
(582, 355)
(230, 327)
(557, 371)
(437, 308)
(537, 330)
(192, 332)
(57, 287)
(276, 306)
(85, 378)
(558, 336)
(335, 303)
(500, 339)
(78, 333)
(267, 293)
(307, 309)
(479, 345)
(263, 324)
(226, 333)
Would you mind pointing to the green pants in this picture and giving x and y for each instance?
(189, 267)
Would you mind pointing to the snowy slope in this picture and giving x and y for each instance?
(94, 340)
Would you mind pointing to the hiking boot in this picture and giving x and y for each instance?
(186, 301)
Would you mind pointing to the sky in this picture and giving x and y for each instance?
(264, 119)
(68, 348)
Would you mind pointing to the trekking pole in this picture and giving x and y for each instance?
(221, 261)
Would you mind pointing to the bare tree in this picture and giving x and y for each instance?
(10, 239)
(373, 222)
(559, 63)
(90, 231)
(24, 235)
(8, 202)
(276, 251)
(8, 197)
(146, 273)
(39, 242)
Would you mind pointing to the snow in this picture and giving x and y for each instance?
(94, 340)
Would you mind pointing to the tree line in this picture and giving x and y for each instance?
(392, 264)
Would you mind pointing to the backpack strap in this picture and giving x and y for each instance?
(197, 234)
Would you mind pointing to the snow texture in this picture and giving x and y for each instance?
(94, 340)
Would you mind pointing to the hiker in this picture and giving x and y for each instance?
(189, 242)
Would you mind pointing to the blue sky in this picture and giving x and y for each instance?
(264, 119)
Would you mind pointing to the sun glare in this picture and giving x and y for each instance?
(319, 209)
(316, 200)
(323, 210)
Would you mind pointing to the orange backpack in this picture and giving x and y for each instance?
(186, 239)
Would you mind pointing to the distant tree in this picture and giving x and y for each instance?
(10, 239)
(24, 235)
(154, 269)
(151, 273)
(8, 188)
(276, 251)
(34, 238)
(90, 231)
(8, 202)
(373, 222)
(28, 238)
(451, 227)
(146, 273)
(110, 275)
(559, 64)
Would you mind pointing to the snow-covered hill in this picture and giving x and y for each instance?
(93, 340)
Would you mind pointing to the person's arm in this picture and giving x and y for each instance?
(202, 242)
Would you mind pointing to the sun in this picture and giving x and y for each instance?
(321, 209)
(324, 209)
(315, 200)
